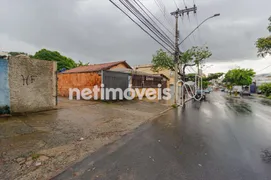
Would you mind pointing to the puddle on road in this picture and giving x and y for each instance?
(266, 155)
(265, 102)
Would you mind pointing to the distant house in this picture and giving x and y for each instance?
(86, 76)
(260, 79)
(99, 67)
(147, 68)
(141, 80)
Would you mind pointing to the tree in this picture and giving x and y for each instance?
(162, 60)
(17, 53)
(205, 80)
(212, 76)
(191, 76)
(264, 44)
(266, 89)
(242, 77)
(205, 84)
(81, 64)
(63, 62)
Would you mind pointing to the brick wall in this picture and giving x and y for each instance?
(77, 80)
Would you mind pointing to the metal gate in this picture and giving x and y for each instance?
(187, 90)
(114, 80)
(4, 88)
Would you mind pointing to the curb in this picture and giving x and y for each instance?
(107, 145)
(160, 114)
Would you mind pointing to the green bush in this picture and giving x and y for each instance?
(266, 89)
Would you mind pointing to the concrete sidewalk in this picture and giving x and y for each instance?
(38, 145)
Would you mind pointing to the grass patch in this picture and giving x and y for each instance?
(35, 156)
(266, 97)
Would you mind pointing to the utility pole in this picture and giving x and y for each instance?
(178, 13)
(176, 54)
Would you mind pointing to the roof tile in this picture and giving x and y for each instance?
(94, 67)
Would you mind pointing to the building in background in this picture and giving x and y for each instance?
(262, 78)
(147, 68)
(86, 76)
(142, 80)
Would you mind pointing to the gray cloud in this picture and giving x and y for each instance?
(95, 31)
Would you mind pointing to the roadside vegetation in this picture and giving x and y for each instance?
(191, 57)
(63, 62)
(266, 89)
(264, 44)
(205, 80)
(238, 77)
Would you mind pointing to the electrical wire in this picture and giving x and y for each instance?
(191, 28)
(264, 68)
(156, 18)
(142, 19)
(189, 36)
(154, 22)
(199, 34)
(164, 12)
(184, 3)
(176, 4)
(197, 21)
(140, 26)
(149, 25)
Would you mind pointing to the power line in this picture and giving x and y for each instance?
(176, 4)
(264, 68)
(188, 37)
(164, 34)
(162, 8)
(196, 17)
(184, 3)
(155, 18)
(140, 26)
(191, 28)
(149, 25)
(199, 35)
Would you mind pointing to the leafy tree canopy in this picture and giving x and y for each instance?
(212, 76)
(191, 76)
(63, 62)
(264, 44)
(205, 80)
(81, 64)
(162, 60)
(266, 89)
(17, 53)
(238, 76)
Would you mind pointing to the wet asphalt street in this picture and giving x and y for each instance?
(218, 139)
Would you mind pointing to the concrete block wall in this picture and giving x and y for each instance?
(32, 84)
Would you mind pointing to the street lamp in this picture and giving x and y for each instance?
(215, 15)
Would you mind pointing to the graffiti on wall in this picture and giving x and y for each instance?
(4, 88)
(29, 79)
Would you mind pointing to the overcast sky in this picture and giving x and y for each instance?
(95, 31)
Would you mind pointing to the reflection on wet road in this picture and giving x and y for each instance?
(221, 138)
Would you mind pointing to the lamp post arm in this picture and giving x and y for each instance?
(197, 27)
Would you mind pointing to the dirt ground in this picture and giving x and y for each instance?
(39, 145)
